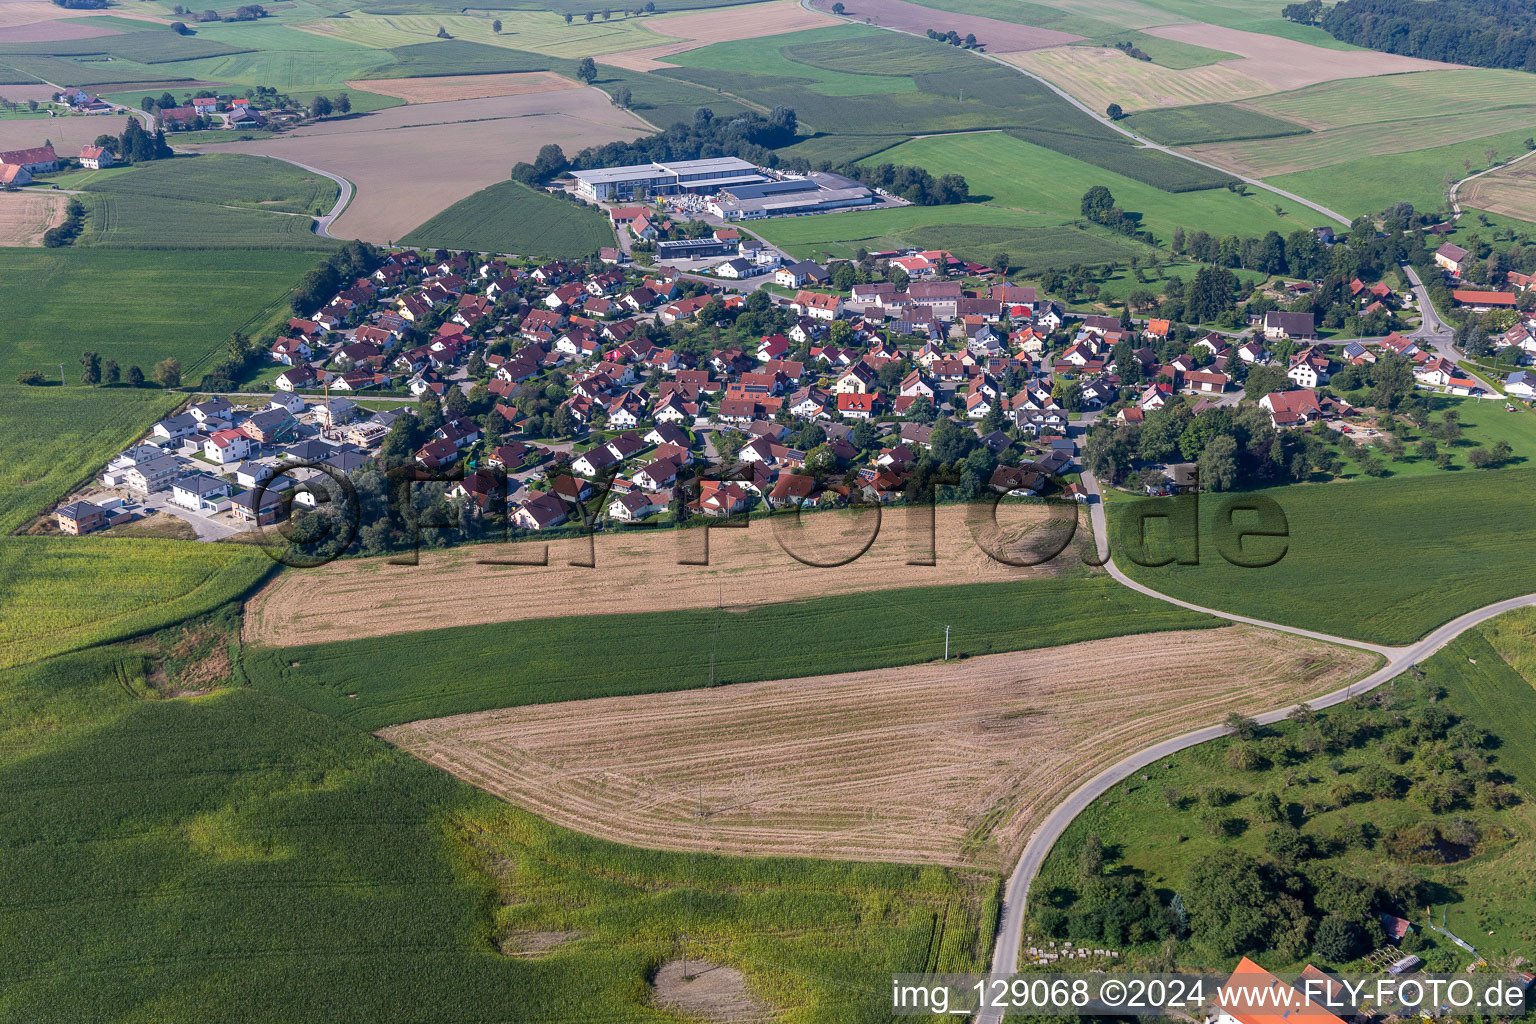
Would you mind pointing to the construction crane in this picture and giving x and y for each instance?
(328, 430)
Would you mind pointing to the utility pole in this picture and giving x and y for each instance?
(61, 375)
(946, 643)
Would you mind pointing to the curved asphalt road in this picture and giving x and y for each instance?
(323, 223)
(1005, 953)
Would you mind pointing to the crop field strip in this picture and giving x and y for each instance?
(479, 668)
(1209, 122)
(313, 872)
(749, 566)
(512, 218)
(64, 594)
(808, 765)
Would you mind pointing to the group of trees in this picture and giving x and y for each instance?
(69, 230)
(1485, 33)
(605, 13)
(1099, 206)
(911, 183)
(1132, 51)
(1296, 899)
(324, 106)
(953, 38)
(96, 371)
(353, 260)
(750, 136)
(135, 145)
(245, 12)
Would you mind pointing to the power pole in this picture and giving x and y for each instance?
(61, 375)
(946, 643)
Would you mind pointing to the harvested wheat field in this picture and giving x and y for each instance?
(1099, 75)
(412, 162)
(24, 216)
(67, 134)
(709, 992)
(999, 37)
(466, 87)
(23, 13)
(721, 25)
(640, 572)
(22, 93)
(1510, 191)
(978, 750)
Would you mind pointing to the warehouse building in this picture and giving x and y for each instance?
(604, 183)
(818, 192)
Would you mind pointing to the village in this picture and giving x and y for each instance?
(565, 393)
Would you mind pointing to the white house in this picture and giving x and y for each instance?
(200, 491)
(1521, 384)
(225, 447)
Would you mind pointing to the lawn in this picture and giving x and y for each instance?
(1159, 823)
(978, 231)
(66, 594)
(1018, 175)
(256, 855)
(475, 668)
(510, 217)
(135, 307)
(1381, 560)
(52, 439)
(230, 180)
(1208, 122)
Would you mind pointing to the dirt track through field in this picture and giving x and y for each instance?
(637, 572)
(721, 25)
(465, 87)
(999, 37)
(24, 216)
(412, 162)
(949, 763)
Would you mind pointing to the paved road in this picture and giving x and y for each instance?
(1456, 210)
(1397, 660)
(1102, 119)
(1434, 331)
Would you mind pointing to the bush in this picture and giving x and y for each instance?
(31, 377)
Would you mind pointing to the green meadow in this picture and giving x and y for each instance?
(1017, 175)
(510, 217)
(1380, 560)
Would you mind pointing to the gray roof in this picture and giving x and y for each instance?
(202, 484)
(629, 172)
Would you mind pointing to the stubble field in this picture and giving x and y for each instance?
(1510, 191)
(978, 751)
(411, 162)
(24, 216)
(641, 572)
(466, 87)
(1266, 64)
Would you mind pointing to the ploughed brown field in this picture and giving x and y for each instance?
(24, 216)
(412, 162)
(720, 25)
(949, 763)
(641, 572)
(996, 36)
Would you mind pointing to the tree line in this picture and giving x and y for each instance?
(1485, 33)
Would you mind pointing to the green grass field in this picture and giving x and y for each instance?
(17, 69)
(978, 231)
(510, 217)
(1021, 176)
(134, 307)
(1486, 897)
(227, 180)
(1373, 183)
(536, 31)
(53, 439)
(143, 47)
(1163, 171)
(64, 594)
(144, 222)
(473, 668)
(1422, 94)
(1384, 561)
(1208, 122)
(836, 61)
(266, 863)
